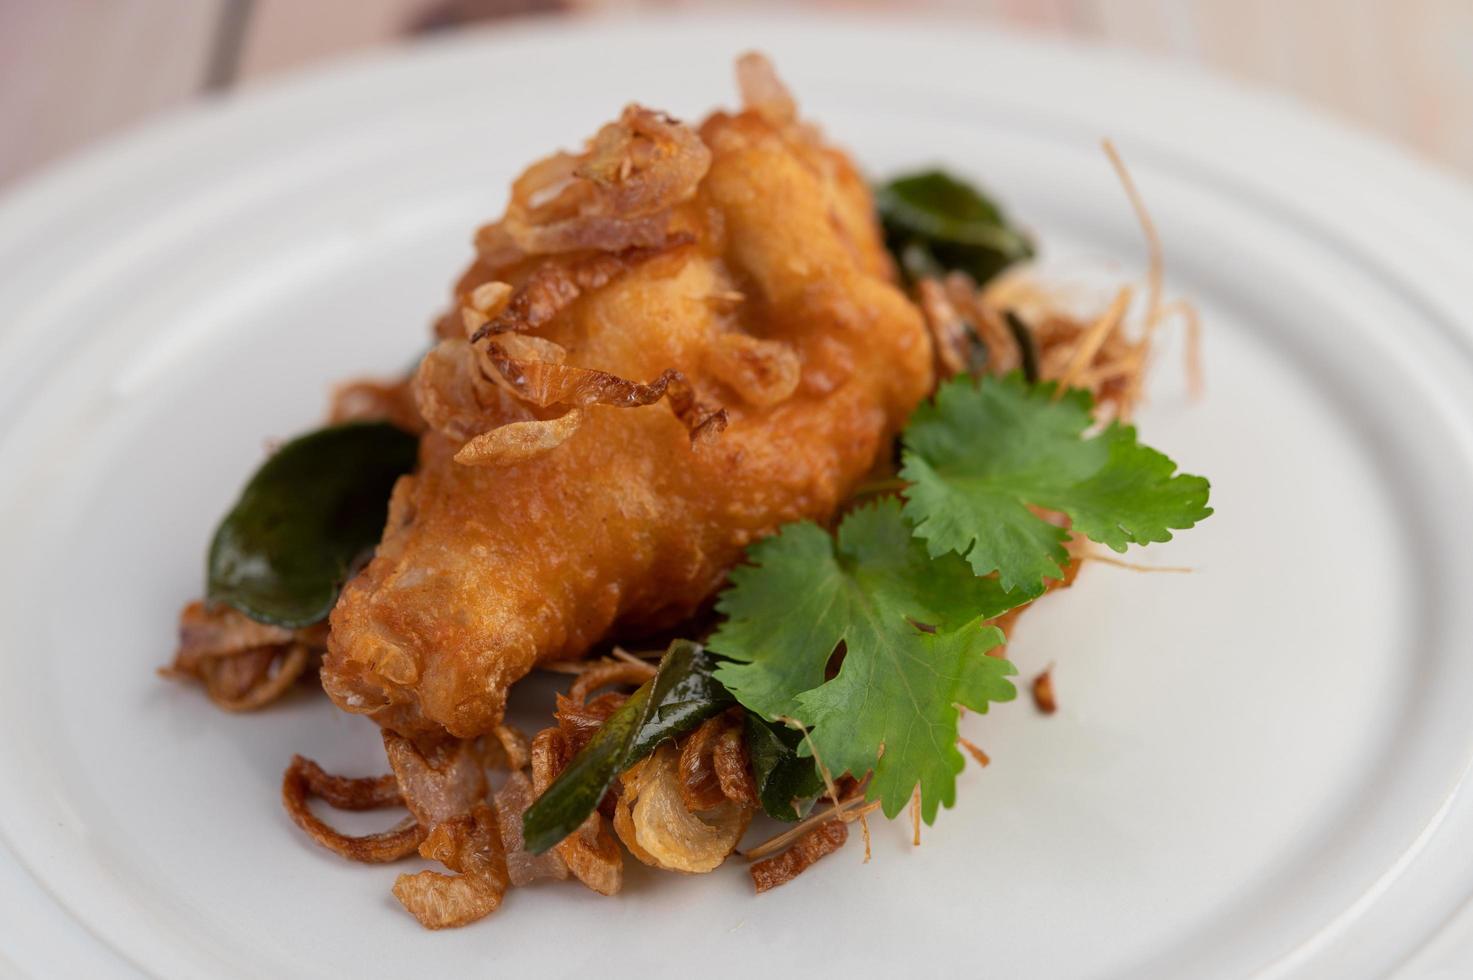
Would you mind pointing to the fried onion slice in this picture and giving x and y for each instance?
(623, 819)
(713, 765)
(220, 631)
(543, 383)
(948, 334)
(348, 792)
(608, 672)
(470, 846)
(244, 665)
(700, 787)
(304, 778)
(439, 781)
(578, 721)
(452, 393)
(549, 755)
(646, 161)
(659, 830)
(616, 195)
(518, 442)
(251, 680)
(590, 230)
(592, 855)
(522, 867)
(507, 748)
(1043, 692)
(733, 767)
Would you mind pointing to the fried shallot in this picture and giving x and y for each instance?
(713, 765)
(579, 721)
(522, 867)
(440, 781)
(654, 822)
(590, 852)
(304, 778)
(608, 672)
(617, 195)
(819, 842)
(244, 665)
(544, 383)
(469, 845)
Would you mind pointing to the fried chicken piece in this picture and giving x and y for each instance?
(634, 300)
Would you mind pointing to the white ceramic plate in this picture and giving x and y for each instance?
(1256, 769)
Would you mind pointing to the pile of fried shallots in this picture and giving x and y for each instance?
(684, 808)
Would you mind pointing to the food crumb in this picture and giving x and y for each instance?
(819, 842)
(1043, 691)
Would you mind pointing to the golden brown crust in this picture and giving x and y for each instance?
(781, 310)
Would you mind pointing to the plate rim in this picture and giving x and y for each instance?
(1433, 191)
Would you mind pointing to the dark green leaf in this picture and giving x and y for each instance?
(784, 778)
(311, 510)
(685, 693)
(935, 223)
(682, 694)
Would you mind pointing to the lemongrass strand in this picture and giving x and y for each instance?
(1089, 343)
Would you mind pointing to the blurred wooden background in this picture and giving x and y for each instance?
(72, 71)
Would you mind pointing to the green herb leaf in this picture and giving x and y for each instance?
(914, 639)
(786, 781)
(982, 452)
(283, 552)
(935, 223)
(681, 695)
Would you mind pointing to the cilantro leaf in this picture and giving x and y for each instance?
(915, 641)
(982, 453)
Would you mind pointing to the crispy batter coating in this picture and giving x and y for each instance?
(771, 298)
